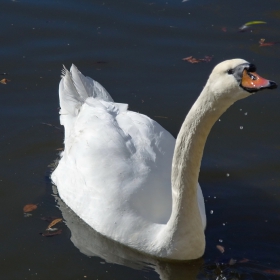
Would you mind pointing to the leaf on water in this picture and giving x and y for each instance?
(192, 59)
(59, 149)
(54, 222)
(272, 271)
(267, 44)
(254, 22)
(220, 248)
(4, 81)
(249, 24)
(29, 207)
(50, 234)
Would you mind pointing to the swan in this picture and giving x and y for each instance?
(127, 177)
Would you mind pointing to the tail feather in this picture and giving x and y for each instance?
(87, 87)
(70, 100)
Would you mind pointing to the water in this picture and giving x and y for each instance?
(135, 49)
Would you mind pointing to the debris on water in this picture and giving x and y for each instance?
(224, 29)
(193, 60)
(241, 127)
(267, 44)
(54, 222)
(221, 248)
(211, 212)
(246, 114)
(27, 215)
(29, 208)
(221, 240)
(4, 81)
(227, 174)
(250, 24)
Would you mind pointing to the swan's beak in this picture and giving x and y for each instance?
(252, 82)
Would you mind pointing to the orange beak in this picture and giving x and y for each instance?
(252, 82)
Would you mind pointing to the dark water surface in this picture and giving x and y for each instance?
(135, 49)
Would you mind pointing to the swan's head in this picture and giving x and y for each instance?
(236, 79)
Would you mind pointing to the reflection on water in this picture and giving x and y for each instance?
(92, 244)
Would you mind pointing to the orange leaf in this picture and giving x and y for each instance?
(29, 207)
(4, 81)
(54, 222)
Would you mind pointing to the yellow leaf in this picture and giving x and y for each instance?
(254, 22)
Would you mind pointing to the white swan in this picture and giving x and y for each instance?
(117, 170)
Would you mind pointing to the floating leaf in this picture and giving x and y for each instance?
(267, 44)
(50, 234)
(29, 207)
(254, 22)
(4, 81)
(220, 248)
(249, 24)
(54, 222)
(192, 59)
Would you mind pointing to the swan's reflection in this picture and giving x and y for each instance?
(91, 243)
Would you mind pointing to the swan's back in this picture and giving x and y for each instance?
(115, 160)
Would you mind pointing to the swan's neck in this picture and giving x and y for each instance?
(185, 228)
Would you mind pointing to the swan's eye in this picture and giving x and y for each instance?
(230, 71)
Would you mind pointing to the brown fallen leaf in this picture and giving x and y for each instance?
(50, 234)
(267, 44)
(29, 207)
(220, 248)
(54, 222)
(192, 59)
(4, 81)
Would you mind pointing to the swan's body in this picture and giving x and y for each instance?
(115, 171)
